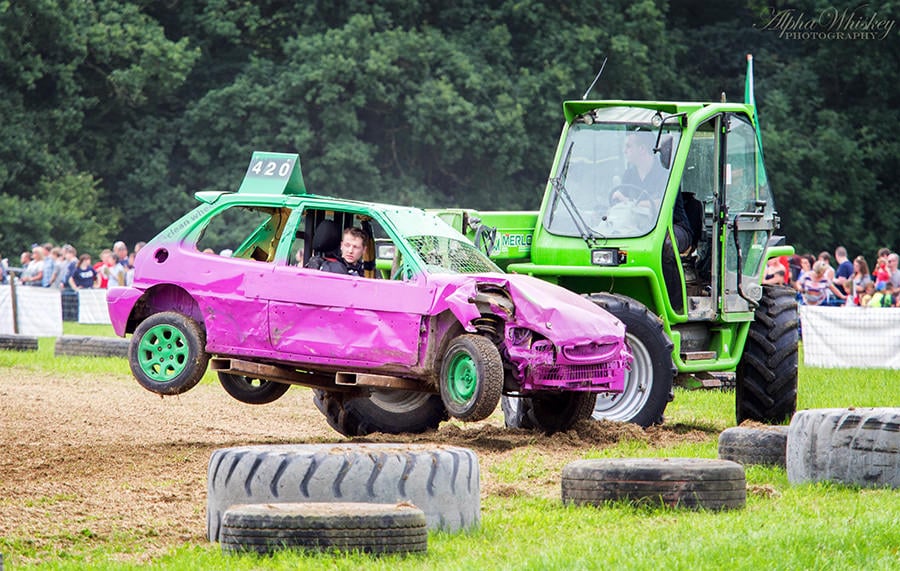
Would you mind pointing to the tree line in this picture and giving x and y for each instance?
(117, 111)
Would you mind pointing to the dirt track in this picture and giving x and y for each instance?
(82, 457)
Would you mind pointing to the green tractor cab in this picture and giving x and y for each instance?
(662, 213)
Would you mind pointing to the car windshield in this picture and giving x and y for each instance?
(445, 255)
(612, 177)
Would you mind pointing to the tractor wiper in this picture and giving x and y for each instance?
(561, 193)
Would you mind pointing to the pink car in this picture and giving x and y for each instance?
(429, 328)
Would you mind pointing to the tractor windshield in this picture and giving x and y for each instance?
(613, 176)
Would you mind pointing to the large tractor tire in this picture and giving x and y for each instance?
(648, 382)
(442, 481)
(550, 412)
(388, 411)
(471, 378)
(168, 353)
(766, 379)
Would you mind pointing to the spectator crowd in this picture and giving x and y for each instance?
(844, 282)
(49, 266)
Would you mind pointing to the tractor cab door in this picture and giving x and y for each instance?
(746, 216)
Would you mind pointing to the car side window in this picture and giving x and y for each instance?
(319, 234)
(249, 232)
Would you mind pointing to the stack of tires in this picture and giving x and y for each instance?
(378, 498)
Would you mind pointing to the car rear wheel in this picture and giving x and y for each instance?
(471, 377)
(251, 390)
(167, 353)
(392, 412)
(552, 412)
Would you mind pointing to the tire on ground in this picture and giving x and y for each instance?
(849, 446)
(388, 411)
(168, 354)
(252, 390)
(648, 382)
(471, 378)
(76, 345)
(18, 343)
(442, 481)
(695, 483)
(754, 445)
(766, 381)
(370, 528)
(551, 412)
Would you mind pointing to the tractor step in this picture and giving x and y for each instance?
(706, 380)
(698, 355)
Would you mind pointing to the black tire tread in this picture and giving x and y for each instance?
(748, 445)
(767, 375)
(848, 446)
(366, 527)
(196, 370)
(353, 416)
(491, 385)
(442, 481)
(18, 343)
(238, 387)
(77, 345)
(686, 482)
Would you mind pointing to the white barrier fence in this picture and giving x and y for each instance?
(851, 337)
(39, 310)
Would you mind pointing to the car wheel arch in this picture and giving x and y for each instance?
(164, 297)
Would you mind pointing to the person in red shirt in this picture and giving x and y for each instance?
(104, 267)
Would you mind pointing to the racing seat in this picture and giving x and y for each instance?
(326, 239)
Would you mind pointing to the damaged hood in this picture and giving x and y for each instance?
(555, 312)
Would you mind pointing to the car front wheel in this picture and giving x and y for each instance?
(471, 377)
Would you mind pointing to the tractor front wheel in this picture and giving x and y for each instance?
(648, 383)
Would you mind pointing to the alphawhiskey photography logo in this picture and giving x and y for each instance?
(859, 23)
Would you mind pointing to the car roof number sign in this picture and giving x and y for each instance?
(273, 173)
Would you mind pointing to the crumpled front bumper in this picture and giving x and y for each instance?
(590, 367)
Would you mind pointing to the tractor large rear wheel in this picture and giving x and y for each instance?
(648, 383)
(767, 374)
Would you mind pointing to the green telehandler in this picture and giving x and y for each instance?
(661, 213)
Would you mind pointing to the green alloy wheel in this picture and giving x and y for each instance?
(471, 378)
(167, 353)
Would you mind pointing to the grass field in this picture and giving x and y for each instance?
(821, 526)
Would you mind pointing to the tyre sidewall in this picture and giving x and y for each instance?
(642, 326)
(489, 378)
(238, 386)
(362, 415)
(767, 376)
(197, 359)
